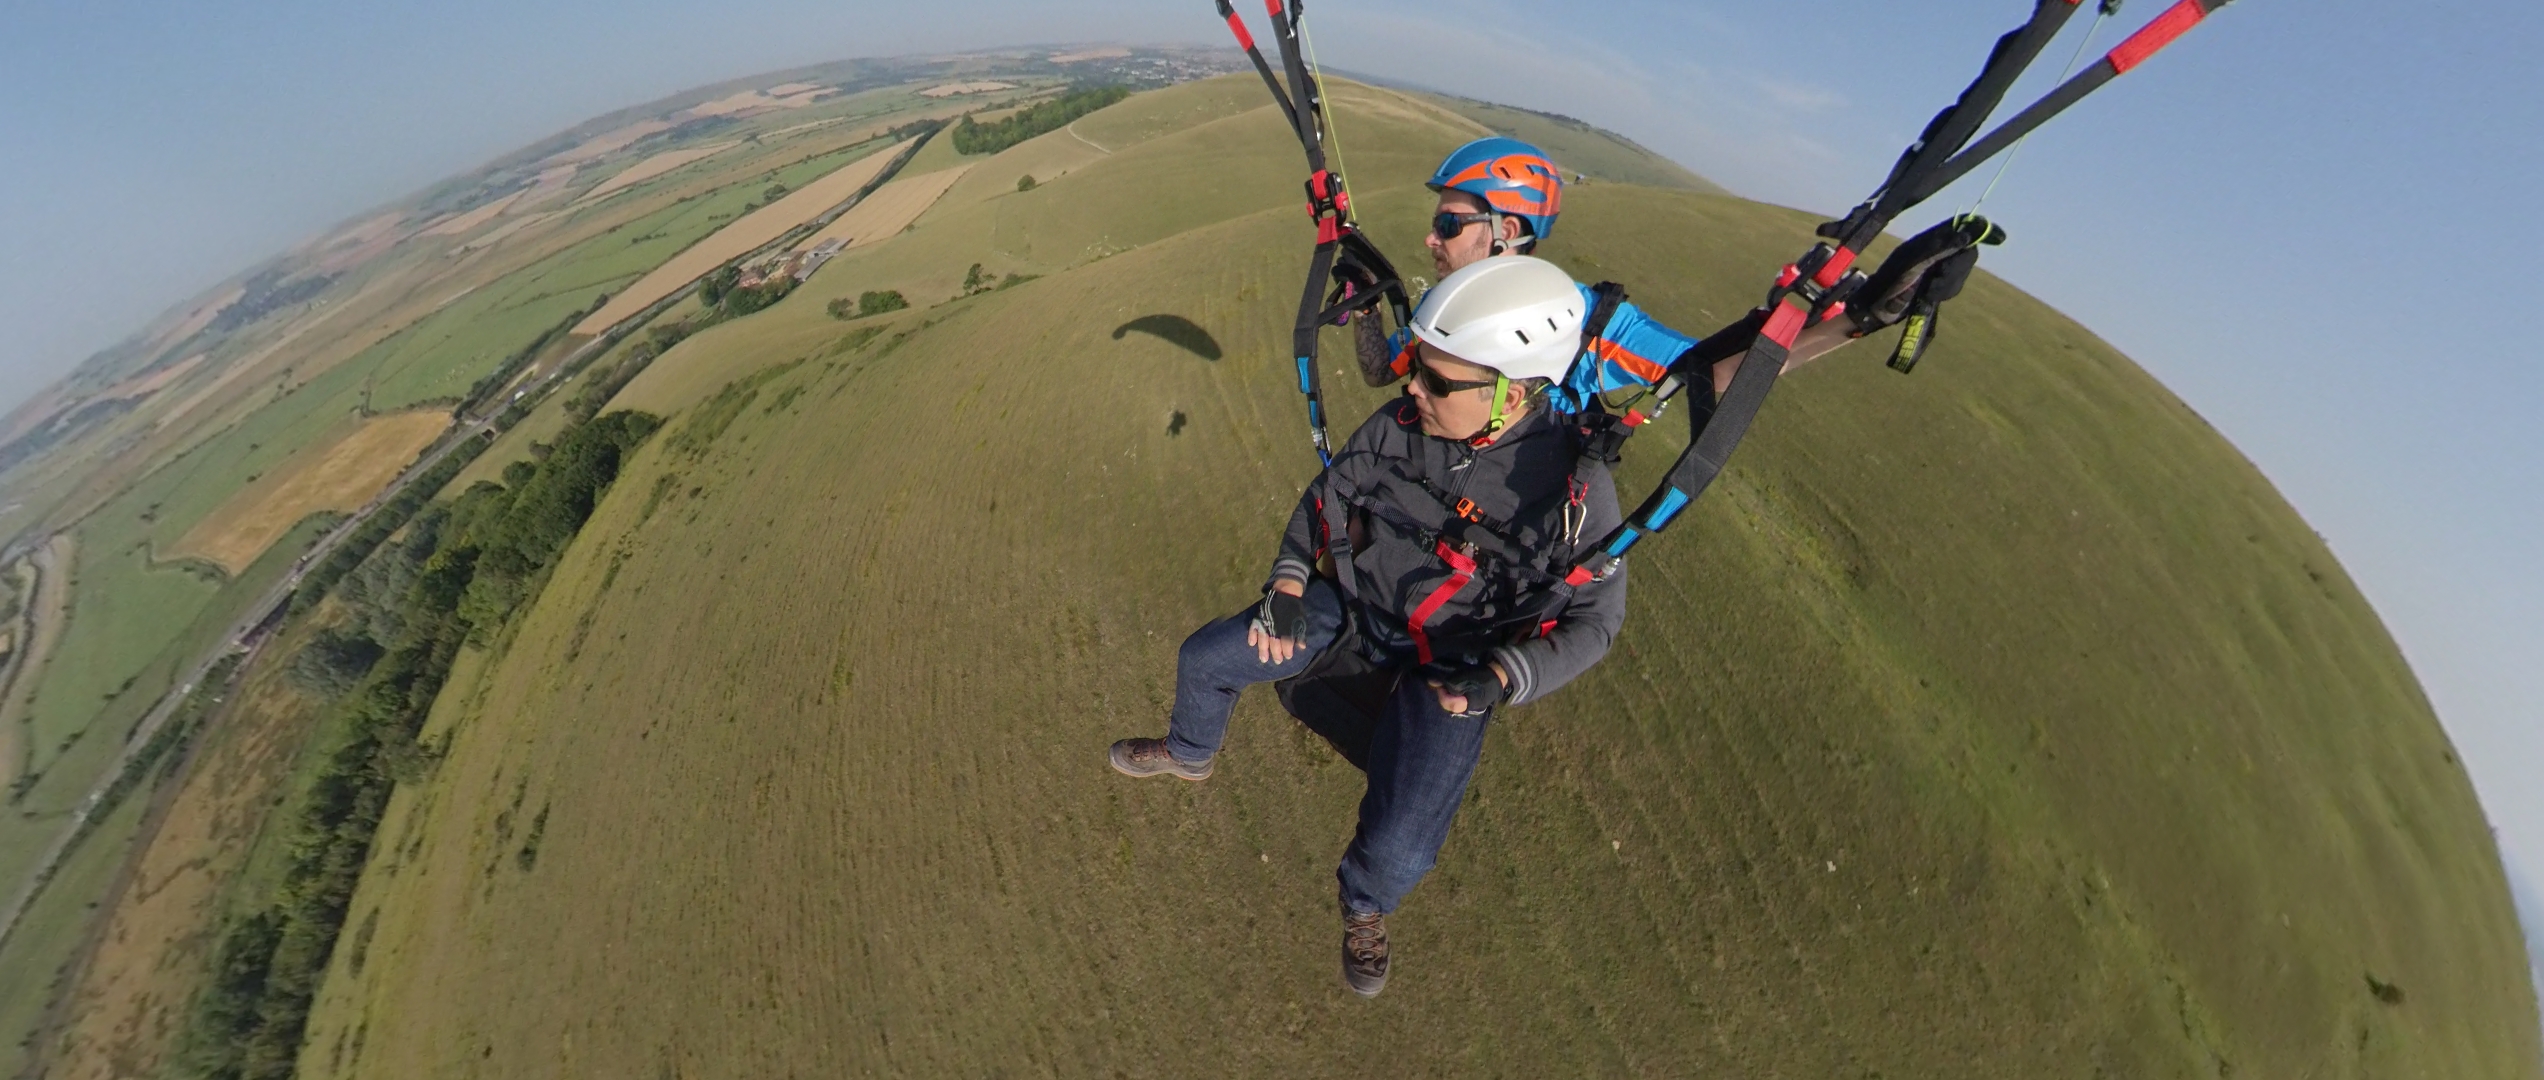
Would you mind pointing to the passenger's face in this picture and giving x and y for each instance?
(1473, 243)
(1458, 414)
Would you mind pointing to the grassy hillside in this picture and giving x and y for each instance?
(1582, 147)
(1998, 721)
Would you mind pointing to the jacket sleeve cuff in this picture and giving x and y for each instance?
(1289, 568)
(1522, 674)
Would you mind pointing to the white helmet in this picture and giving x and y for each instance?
(1517, 314)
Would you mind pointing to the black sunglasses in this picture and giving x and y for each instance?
(1438, 385)
(1447, 224)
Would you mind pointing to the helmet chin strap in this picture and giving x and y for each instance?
(1520, 245)
(1501, 391)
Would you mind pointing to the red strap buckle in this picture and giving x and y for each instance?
(1579, 577)
(1634, 418)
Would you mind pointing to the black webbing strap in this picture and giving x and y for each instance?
(1604, 298)
(1338, 546)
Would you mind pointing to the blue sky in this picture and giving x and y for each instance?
(2309, 218)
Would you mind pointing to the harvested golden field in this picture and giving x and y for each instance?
(608, 142)
(129, 999)
(198, 318)
(730, 104)
(151, 382)
(889, 210)
(549, 184)
(360, 232)
(339, 260)
(500, 233)
(742, 236)
(340, 475)
(952, 89)
(357, 243)
(460, 223)
(35, 410)
(789, 96)
(652, 167)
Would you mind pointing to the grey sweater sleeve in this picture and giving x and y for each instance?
(1540, 665)
(1302, 541)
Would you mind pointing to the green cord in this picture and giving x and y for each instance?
(2017, 148)
(1333, 132)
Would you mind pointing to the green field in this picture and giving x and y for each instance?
(1997, 721)
(193, 626)
(50, 932)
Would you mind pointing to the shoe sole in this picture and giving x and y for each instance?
(1163, 771)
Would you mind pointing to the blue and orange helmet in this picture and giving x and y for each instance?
(1512, 177)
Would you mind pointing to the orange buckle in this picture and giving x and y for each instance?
(1466, 509)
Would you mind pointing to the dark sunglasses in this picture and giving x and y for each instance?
(1438, 385)
(1447, 224)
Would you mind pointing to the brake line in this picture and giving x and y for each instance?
(2108, 9)
(1333, 130)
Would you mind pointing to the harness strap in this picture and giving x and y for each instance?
(1335, 509)
(1604, 298)
(1462, 570)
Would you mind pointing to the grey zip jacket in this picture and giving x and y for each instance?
(1452, 542)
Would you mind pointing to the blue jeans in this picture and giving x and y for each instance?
(1420, 757)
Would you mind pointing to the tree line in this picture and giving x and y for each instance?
(971, 137)
(453, 576)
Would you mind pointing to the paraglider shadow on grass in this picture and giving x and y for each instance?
(1175, 330)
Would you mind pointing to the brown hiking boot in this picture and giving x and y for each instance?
(1364, 952)
(1148, 757)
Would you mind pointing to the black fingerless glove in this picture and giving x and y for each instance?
(1922, 272)
(1284, 615)
(1352, 281)
(1475, 682)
